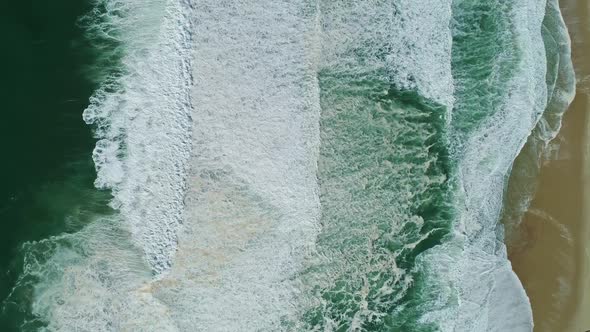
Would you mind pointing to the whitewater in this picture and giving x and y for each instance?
(305, 165)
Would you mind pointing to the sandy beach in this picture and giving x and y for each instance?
(551, 253)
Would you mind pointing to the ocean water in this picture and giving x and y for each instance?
(46, 181)
(307, 165)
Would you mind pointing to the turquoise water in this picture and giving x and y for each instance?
(276, 166)
(391, 168)
(386, 160)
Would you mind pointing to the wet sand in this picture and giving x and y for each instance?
(551, 253)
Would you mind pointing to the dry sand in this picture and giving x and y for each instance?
(554, 261)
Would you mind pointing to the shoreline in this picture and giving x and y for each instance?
(581, 47)
(550, 251)
(581, 318)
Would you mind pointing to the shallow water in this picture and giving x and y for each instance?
(546, 223)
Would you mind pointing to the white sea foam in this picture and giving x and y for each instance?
(98, 279)
(143, 122)
(92, 280)
(252, 207)
(370, 44)
(492, 298)
(230, 116)
(541, 146)
(252, 196)
(410, 40)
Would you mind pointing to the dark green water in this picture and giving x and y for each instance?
(46, 173)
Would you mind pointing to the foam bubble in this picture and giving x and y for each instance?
(410, 40)
(92, 280)
(230, 116)
(142, 118)
(385, 75)
(541, 145)
(484, 275)
(99, 279)
(252, 206)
